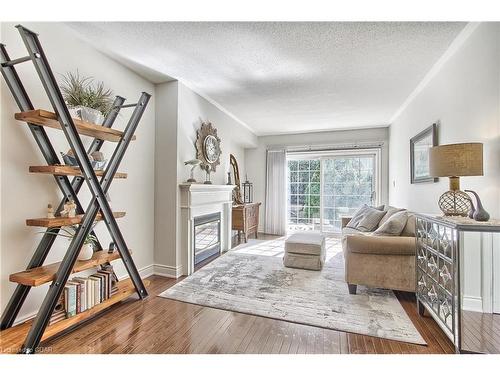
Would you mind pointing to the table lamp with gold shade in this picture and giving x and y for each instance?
(455, 161)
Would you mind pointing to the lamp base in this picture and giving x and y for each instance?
(454, 203)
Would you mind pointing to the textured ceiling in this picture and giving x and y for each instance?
(284, 77)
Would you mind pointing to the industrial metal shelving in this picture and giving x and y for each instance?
(32, 332)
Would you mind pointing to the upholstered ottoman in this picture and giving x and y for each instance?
(305, 250)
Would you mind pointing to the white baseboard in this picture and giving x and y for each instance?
(167, 271)
(144, 272)
(24, 318)
(472, 303)
(160, 270)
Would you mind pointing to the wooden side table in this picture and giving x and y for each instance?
(246, 219)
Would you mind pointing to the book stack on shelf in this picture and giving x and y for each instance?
(83, 293)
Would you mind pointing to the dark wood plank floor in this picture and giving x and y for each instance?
(481, 332)
(159, 325)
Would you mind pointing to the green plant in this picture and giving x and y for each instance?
(70, 232)
(78, 90)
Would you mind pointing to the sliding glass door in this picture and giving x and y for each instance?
(348, 183)
(323, 187)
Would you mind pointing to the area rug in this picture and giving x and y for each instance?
(252, 279)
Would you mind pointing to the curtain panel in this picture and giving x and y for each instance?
(275, 218)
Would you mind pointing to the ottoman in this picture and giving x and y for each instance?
(305, 250)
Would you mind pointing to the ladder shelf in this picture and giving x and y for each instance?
(26, 337)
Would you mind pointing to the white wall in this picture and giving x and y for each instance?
(464, 96)
(166, 97)
(191, 111)
(256, 157)
(26, 196)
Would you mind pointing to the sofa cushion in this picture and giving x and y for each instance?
(312, 243)
(387, 245)
(390, 211)
(366, 218)
(393, 226)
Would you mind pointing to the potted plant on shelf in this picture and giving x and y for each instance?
(87, 100)
(87, 249)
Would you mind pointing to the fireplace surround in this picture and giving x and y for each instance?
(205, 210)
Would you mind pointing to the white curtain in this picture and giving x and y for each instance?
(275, 220)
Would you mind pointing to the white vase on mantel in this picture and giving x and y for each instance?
(86, 252)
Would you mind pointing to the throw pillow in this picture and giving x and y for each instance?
(366, 218)
(356, 218)
(390, 211)
(358, 215)
(394, 225)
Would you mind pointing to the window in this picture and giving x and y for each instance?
(324, 187)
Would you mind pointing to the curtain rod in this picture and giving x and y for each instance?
(319, 148)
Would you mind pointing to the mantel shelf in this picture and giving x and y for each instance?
(12, 338)
(49, 119)
(66, 170)
(42, 275)
(65, 221)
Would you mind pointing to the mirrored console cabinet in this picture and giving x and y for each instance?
(457, 285)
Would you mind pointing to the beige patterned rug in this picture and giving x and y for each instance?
(252, 279)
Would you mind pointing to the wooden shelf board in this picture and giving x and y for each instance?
(41, 275)
(49, 119)
(66, 170)
(12, 339)
(64, 221)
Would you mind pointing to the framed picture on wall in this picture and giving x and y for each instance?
(419, 155)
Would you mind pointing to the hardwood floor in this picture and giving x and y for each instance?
(481, 332)
(159, 325)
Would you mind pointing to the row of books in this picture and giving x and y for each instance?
(83, 293)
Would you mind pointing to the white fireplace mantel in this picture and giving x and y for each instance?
(198, 200)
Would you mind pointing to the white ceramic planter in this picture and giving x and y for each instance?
(87, 114)
(86, 252)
